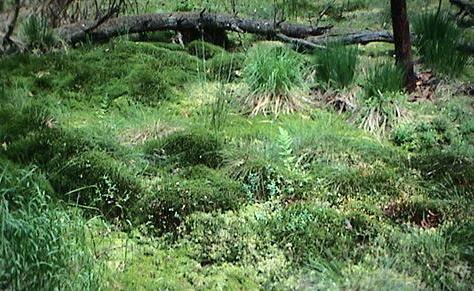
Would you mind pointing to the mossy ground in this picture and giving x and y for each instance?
(127, 133)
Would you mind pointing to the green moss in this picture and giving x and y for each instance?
(204, 50)
(95, 179)
(190, 147)
(225, 66)
(47, 147)
(311, 231)
(17, 120)
(176, 198)
(148, 86)
(454, 164)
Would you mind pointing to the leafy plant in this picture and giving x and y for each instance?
(336, 65)
(285, 145)
(437, 40)
(274, 76)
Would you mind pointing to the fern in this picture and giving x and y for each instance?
(285, 145)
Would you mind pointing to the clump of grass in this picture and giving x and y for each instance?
(37, 33)
(381, 102)
(42, 246)
(437, 39)
(219, 109)
(383, 78)
(336, 65)
(274, 76)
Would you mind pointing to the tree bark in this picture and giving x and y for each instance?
(402, 39)
(182, 21)
(360, 37)
(6, 41)
(463, 5)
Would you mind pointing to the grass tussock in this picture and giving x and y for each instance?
(382, 98)
(437, 42)
(41, 246)
(336, 65)
(275, 79)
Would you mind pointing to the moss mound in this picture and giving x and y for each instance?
(204, 50)
(96, 179)
(225, 66)
(189, 147)
(202, 189)
(148, 86)
(326, 228)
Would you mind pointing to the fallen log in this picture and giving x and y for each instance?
(181, 21)
(361, 37)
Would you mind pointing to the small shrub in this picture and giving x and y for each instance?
(437, 39)
(336, 65)
(274, 76)
(200, 189)
(426, 135)
(148, 86)
(190, 147)
(95, 179)
(37, 33)
(204, 50)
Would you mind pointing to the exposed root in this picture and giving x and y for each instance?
(426, 87)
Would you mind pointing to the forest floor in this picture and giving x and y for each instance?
(142, 157)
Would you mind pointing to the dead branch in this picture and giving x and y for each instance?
(182, 21)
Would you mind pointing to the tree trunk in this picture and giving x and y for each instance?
(401, 35)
